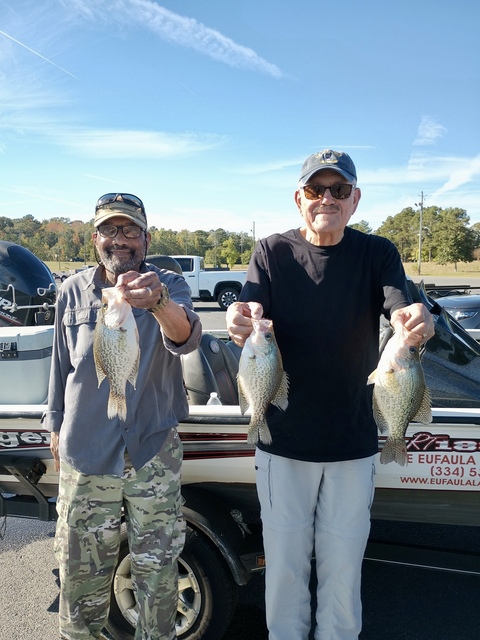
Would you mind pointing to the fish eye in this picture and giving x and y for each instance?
(105, 305)
(412, 349)
(268, 335)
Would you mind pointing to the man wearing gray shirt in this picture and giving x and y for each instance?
(110, 466)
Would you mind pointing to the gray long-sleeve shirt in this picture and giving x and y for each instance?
(90, 441)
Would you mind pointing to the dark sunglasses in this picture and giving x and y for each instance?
(111, 230)
(339, 191)
(127, 198)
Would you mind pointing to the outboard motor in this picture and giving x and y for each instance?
(27, 288)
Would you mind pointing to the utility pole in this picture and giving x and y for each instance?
(420, 234)
(253, 233)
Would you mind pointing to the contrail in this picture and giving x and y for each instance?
(38, 54)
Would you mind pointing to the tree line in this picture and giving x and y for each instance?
(446, 238)
(62, 240)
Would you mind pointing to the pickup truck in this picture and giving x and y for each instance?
(222, 286)
(223, 546)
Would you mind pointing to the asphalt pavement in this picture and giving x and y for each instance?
(400, 602)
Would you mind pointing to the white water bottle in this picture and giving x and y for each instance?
(214, 399)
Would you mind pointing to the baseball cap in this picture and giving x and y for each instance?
(327, 159)
(123, 205)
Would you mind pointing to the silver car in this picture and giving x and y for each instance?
(465, 309)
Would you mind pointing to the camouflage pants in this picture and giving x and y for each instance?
(88, 538)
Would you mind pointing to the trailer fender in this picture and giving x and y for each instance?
(208, 515)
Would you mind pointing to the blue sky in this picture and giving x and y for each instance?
(207, 109)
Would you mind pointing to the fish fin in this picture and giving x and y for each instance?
(264, 434)
(242, 400)
(424, 413)
(281, 397)
(394, 450)
(378, 417)
(101, 375)
(253, 433)
(132, 378)
(117, 406)
(372, 377)
(259, 431)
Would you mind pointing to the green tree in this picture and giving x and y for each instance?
(430, 219)
(455, 241)
(362, 226)
(164, 242)
(213, 255)
(402, 230)
(186, 240)
(230, 252)
(6, 228)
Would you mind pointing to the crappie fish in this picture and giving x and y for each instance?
(399, 396)
(261, 379)
(116, 349)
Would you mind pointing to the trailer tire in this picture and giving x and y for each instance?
(206, 599)
(227, 296)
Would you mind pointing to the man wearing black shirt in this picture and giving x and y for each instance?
(324, 286)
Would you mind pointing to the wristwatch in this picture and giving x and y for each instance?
(162, 301)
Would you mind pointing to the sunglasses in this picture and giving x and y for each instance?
(111, 230)
(127, 198)
(339, 191)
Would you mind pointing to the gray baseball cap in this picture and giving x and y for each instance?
(327, 159)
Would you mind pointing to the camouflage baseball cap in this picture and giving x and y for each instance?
(123, 205)
(327, 159)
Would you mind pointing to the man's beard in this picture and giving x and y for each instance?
(114, 264)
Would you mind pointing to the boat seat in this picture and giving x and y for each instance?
(211, 368)
(234, 348)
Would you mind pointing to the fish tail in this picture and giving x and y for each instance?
(117, 406)
(265, 435)
(394, 450)
(258, 430)
(253, 435)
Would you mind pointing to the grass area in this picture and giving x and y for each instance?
(462, 269)
(57, 267)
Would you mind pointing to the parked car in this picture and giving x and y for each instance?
(465, 309)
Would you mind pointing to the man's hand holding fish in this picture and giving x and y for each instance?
(239, 319)
(416, 322)
(146, 291)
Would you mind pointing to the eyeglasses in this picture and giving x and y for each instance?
(339, 191)
(111, 230)
(127, 198)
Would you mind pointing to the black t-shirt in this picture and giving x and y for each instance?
(325, 303)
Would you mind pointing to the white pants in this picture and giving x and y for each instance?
(321, 508)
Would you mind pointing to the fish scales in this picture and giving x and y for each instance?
(116, 349)
(400, 396)
(261, 379)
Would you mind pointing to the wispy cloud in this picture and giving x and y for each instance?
(36, 53)
(97, 143)
(428, 132)
(174, 28)
(33, 196)
(463, 172)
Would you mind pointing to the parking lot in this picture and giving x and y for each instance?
(400, 602)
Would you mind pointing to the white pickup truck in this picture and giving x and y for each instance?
(222, 286)
(223, 546)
